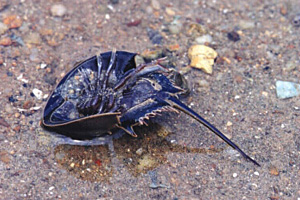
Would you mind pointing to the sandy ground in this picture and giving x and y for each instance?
(174, 157)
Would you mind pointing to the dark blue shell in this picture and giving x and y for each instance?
(137, 95)
(84, 127)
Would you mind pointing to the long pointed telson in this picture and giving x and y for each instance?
(180, 106)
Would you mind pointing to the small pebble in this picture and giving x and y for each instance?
(12, 99)
(225, 59)
(17, 39)
(149, 10)
(3, 28)
(43, 65)
(151, 54)
(50, 79)
(175, 28)
(33, 38)
(135, 22)
(270, 55)
(243, 24)
(37, 93)
(202, 57)
(139, 151)
(5, 41)
(9, 73)
(234, 175)
(275, 49)
(46, 31)
(233, 36)
(283, 10)
(20, 77)
(147, 161)
(228, 135)
(8, 108)
(12, 21)
(3, 122)
(296, 20)
(203, 83)
(170, 12)
(264, 93)
(4, 4)
(4, 157)
(139, 60)
(291, 65)
(58, 10)
(155, 186)
(185, 70)
(60, 155)
(114, 1)
(28, 104)
(154, 36)
(195, 30)
(17, 128)
(256, 173)
(34, 56)
(286, 89)
(225, 11)
(173, 47)
(110, 7)
(155, 4)
(274, 171)
(204, 39)
(266, 68)
(229, 123)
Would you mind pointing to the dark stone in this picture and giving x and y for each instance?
(51, 80)
(9, 73)
(296, 20)
(154, 36)
(197, 191)
(233, 36)
(114, 1)
(12, 99)
(3, 122)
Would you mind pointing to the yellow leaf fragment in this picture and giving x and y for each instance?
(202, 57)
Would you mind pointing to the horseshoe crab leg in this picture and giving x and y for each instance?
(141, 70)
(110, 66)
(99, 65)
(106, 77)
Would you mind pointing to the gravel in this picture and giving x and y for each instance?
(174, 157)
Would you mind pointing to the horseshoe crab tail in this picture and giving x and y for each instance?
(180, 106)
